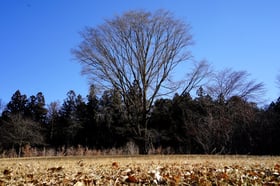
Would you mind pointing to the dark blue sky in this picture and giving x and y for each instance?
(37, 36)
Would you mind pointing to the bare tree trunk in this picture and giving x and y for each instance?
(19, 149)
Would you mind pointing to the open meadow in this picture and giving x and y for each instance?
(142, 170)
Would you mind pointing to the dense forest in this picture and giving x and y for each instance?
(179, 125)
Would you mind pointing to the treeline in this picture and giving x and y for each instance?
(182, 124)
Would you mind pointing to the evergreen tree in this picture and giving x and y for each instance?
(90, 125)
(80, 119)
(269, 130)
(69, 124)
(35, 108)
(17, 105)
(242, 115)
(52, 121)
(112, 123)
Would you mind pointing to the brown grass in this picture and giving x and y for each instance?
(140, 170)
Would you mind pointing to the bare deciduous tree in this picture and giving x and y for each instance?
(278, 80)
(1, 107)
(228, 83)
(53, 114)
(19, 132)
(199, 76)
(137, 49)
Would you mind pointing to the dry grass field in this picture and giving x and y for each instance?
(142, 170)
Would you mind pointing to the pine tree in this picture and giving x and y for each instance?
(17, 105)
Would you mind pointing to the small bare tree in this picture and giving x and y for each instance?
(53, 114)
(19, 132)
(136, 51)
(228, 83)
(198, 76)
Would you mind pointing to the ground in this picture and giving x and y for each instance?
(142, 170)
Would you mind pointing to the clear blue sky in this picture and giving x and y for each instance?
(36, 37)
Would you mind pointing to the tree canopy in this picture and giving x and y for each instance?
(135, 53)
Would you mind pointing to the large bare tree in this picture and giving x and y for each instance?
(228, 83)
(136, 51)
